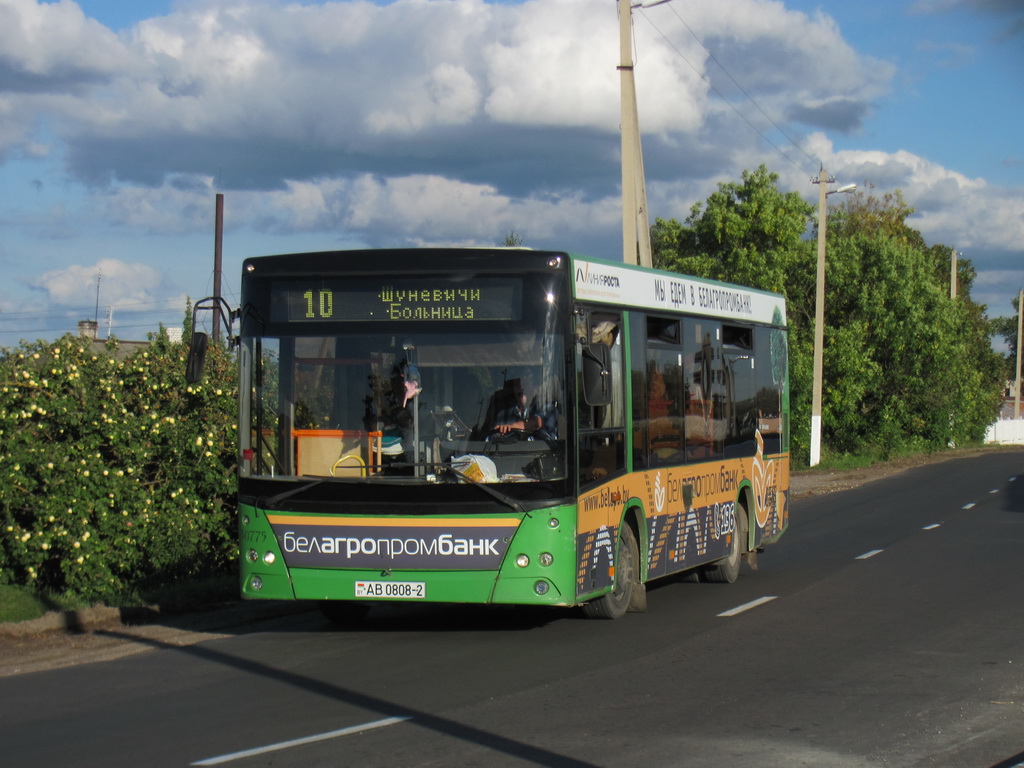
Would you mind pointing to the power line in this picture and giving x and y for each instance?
(741, 89)
(81, 309)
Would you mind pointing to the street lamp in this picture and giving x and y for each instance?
(822, 181)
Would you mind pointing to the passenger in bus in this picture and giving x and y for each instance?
(604, 332)
(397, 418)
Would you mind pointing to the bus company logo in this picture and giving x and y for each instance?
(367, 547)
(659, 494)
(589, 276)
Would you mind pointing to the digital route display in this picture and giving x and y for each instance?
(344, 300)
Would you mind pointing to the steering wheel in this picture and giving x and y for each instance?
(512, 436)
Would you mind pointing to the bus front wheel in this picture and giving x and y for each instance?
(628, 592)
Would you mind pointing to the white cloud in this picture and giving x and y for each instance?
(950, 207)
(374, 84)
(120, 283)
(423, 209)
(441, 122)
(55, 41)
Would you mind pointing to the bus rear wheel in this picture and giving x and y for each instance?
(627, 593)
(727, 570)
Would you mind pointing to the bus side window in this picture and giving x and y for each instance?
(639, 381)
(602, 446)
(740, 362)
(769, 378)
(705, 390)
(664, 391)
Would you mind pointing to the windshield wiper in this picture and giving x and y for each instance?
(273, 501)
(504, 498)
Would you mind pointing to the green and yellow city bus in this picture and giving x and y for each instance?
(501, 426)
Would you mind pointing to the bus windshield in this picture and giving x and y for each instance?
(474, 401)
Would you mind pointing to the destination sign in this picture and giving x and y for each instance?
(389, 299)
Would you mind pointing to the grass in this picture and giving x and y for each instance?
(23, 604)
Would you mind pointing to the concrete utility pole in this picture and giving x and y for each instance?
(819, 323)
(822, 181)
(636, 230)
(952, 276)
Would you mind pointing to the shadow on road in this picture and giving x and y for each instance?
(1013, 496)
(492, 741)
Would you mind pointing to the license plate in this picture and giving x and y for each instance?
(398, 590)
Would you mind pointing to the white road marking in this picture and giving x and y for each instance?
(866, 555)
(969, 506)
(747, 606)
(299, 742)
(931, 527)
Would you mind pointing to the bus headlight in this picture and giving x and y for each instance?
(269, 558)
(522, 560)
(541, 587)
(546, 559)
(256, 583)
(253, 555)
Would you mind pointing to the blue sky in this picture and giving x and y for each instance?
(437, 122)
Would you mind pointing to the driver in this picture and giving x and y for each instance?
(528, 416)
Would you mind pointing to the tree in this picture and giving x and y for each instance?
(748, 233)
(512, 239)
(905, 366)
(115, 476)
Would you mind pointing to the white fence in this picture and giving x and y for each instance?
(1006, 431)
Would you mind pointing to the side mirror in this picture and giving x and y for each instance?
(597, 378)
(196, 357)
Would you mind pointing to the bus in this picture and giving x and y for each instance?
(501, 426)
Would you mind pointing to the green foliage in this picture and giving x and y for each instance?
(512, 239)
(20, 604)
(905, 366)
(748, 233)
(115, 476)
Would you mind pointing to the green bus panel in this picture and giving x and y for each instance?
(541, 533)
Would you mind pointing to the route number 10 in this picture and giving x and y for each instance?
(319, 304)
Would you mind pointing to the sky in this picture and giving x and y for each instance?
(354, 124)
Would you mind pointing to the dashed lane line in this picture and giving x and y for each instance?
(299, 742)
(866, 555)
(747, 606)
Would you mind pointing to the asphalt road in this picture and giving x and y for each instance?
(885, 629)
